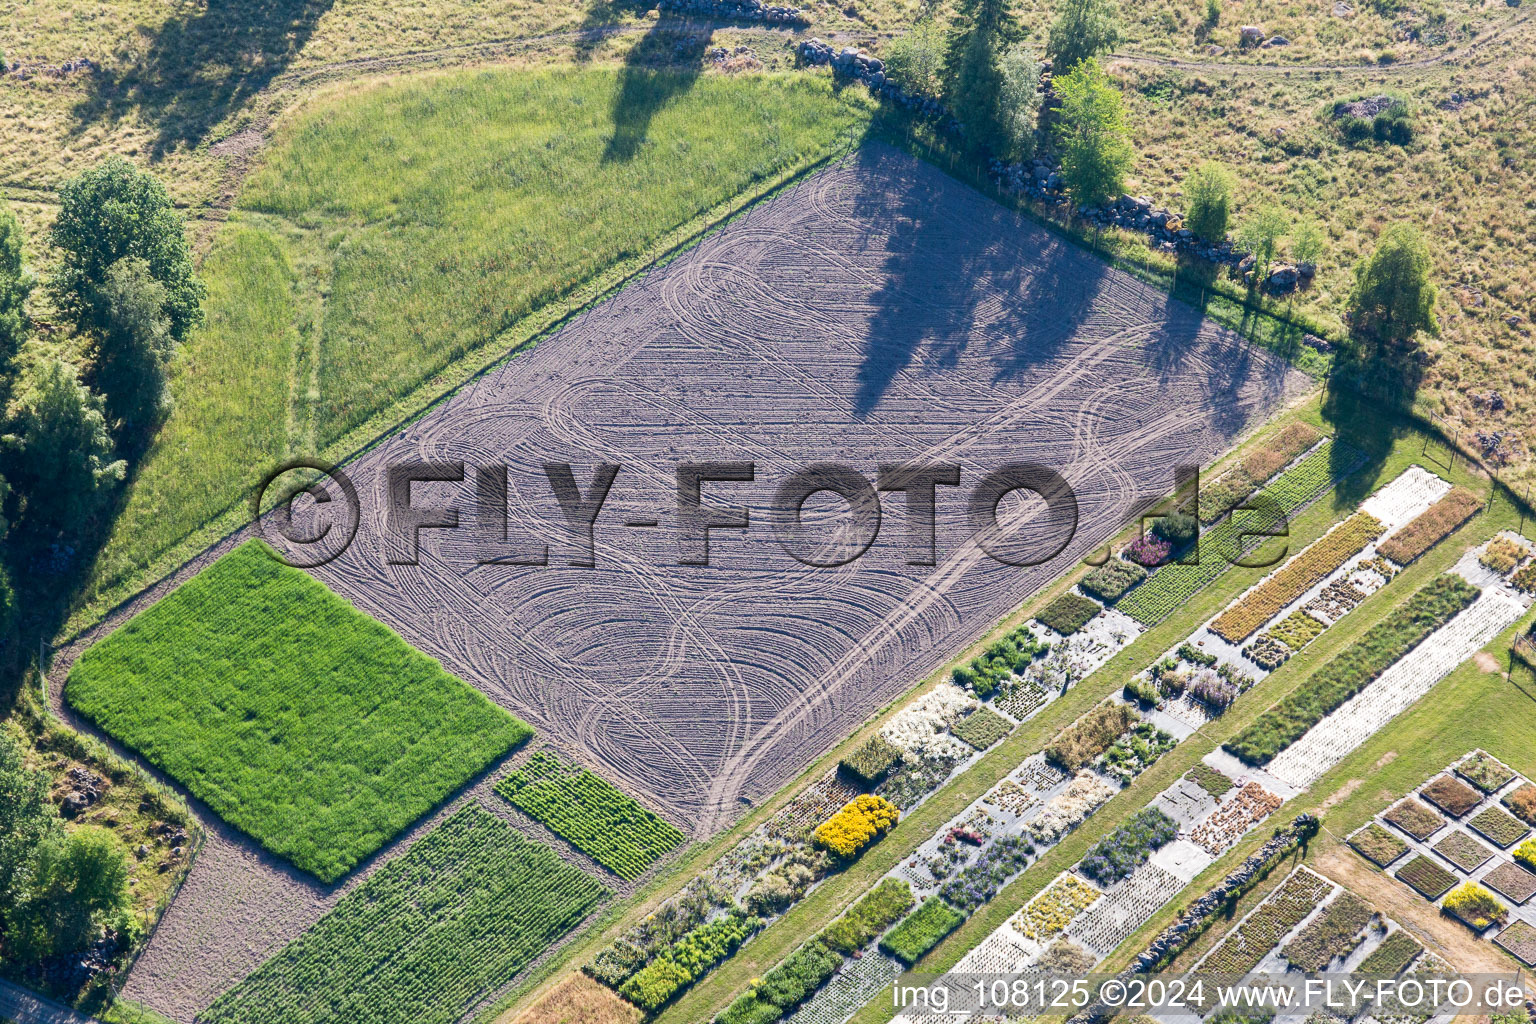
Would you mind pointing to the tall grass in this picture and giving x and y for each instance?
(413, 222)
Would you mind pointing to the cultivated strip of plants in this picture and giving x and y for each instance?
(597, 818)
(1427, 530)
(1353, 669)
(426, 937)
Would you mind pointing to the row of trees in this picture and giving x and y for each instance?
(992, 82)
(78, 407)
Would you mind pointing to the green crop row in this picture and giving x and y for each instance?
(1355, 668)
(597, 818)
(425, 937)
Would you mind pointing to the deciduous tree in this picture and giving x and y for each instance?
(1083, 29)
(1093, 134)
(1393, 298)
(1208, 198)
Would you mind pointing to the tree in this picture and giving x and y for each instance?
(115, 211)
(15, 285)
(28, 825)
(1307, 242)
(81, 883)
(1393, 298)
(1019, 101)
(1083, 29)
(1094, 138)
(133, 346)
(915, 60)
(973, 69)
(1208, 199)
(1260, 235)
(63, 454)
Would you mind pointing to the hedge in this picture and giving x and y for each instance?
(1112, 579)
(872, 761)
(1353, 669)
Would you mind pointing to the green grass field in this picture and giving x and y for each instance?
(397, 228)
(298, 719)
(426, 937)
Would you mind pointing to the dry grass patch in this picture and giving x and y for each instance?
(1415, 819)
(579, 1000)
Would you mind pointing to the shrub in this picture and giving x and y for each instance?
(1502, 555)
(1475, 907)
(872, 761)
(1522, 803)
(1525, 853)
(1177, 528)
(1377, 845)
(1069, 613)
(749, 1009)
(1353, 669)
(1209, 688)
(425, 937)
(1091, 735)
(923, 929)
(861, 821)
(1451, 796)
(1426, 877)
(1382, 118)
(880, 908)
(1195, 656)
(979, 882)
(1524, 579)
(1004, 657)
(1389, 958)
(598, 819)
(297, 718)
(1415, 819)
(1296, 577)
(1484, 771)
(915, 59)
(1430, 527)
(982, 728)
(1112, 579)
(1208, 193)
(1498, 828)
(1127, 848)
(688, 960)
(1143, 690)
(1333, 933)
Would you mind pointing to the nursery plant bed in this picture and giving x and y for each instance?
(1463, 851)
(1069, 613)
(1451, 795)
(1522, 803)
(1427, 878)
(1520, 939)
(1485, 772)
(1512, 882)
(1377, 845)
(1414, 818)
(1501, 829)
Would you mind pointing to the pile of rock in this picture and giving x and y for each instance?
(739, 59)
(27, 69)
(850, 62)
(739, 10)
(1498, 446)
(85, 788)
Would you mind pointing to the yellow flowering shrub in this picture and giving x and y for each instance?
(1525, 853)
(860, 822)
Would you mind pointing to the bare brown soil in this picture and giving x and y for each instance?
(879, 313)
(579, 1000)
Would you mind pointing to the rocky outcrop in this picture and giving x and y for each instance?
(740, 10)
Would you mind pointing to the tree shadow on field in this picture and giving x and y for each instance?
(954, 273)
(602, 19)
(663, 65)
(201, 67)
